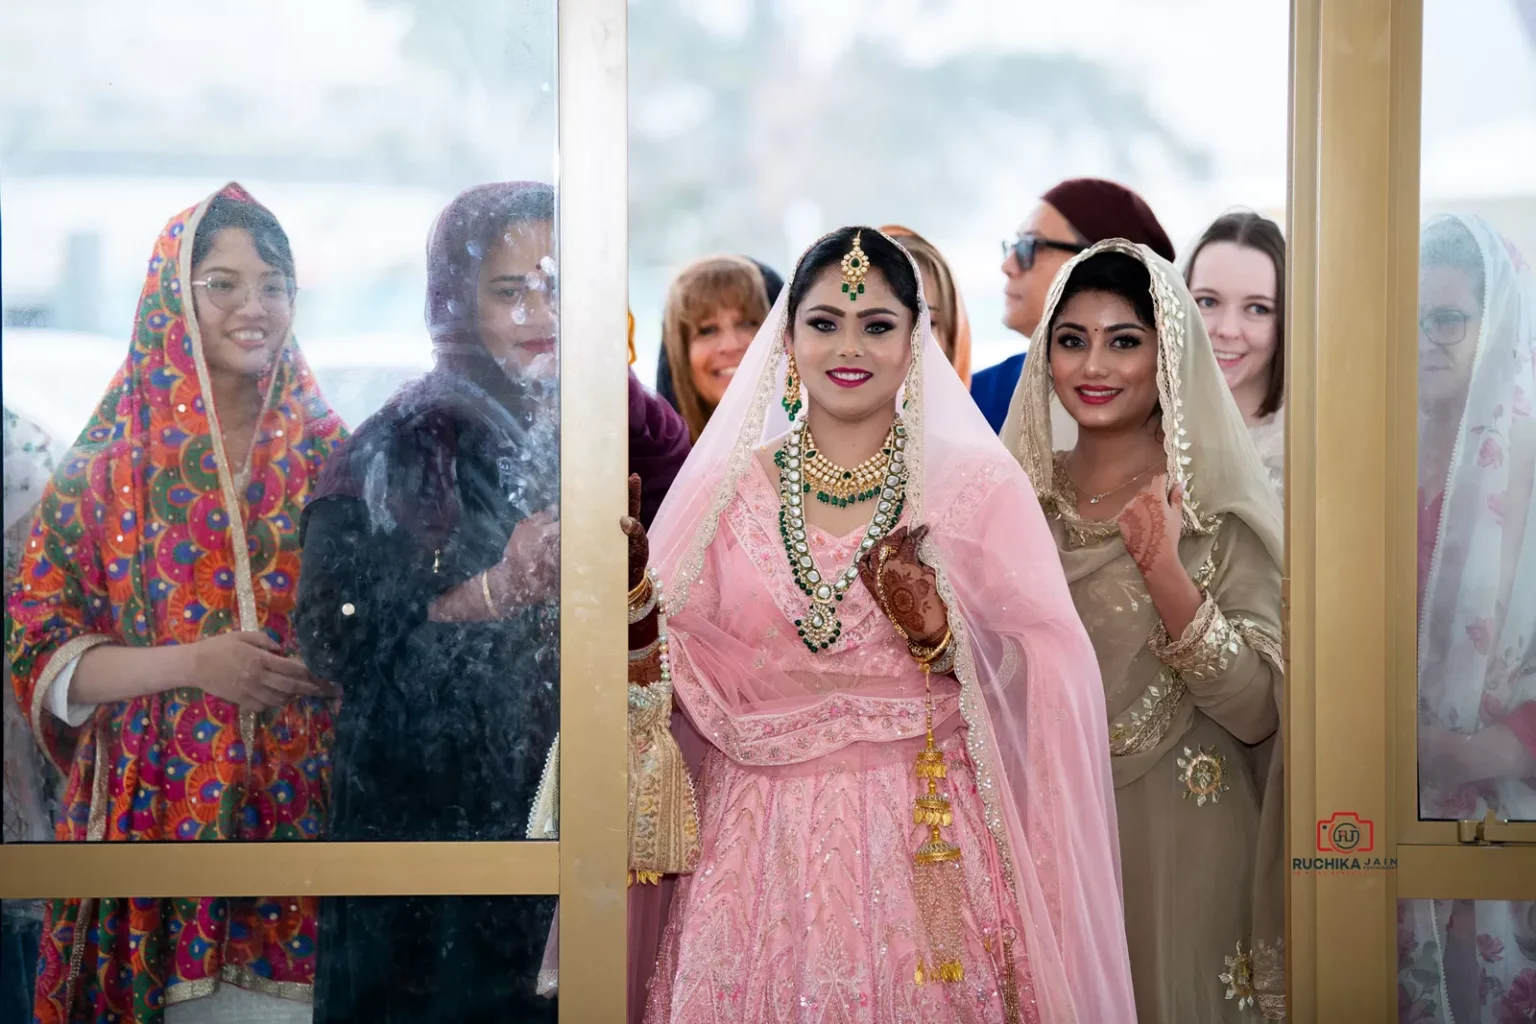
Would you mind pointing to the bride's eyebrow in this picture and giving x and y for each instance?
(826, 309)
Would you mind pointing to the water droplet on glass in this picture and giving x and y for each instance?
(519, 315)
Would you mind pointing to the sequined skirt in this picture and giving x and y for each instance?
(804, 907)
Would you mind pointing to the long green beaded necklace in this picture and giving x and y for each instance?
(819, 627)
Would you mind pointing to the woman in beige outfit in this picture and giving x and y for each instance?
(1171, 540)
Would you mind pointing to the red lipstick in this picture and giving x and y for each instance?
(848, 376)
(1097, 396)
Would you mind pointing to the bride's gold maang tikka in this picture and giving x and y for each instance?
(855, 266)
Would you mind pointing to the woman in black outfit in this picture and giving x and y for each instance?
(430, 595)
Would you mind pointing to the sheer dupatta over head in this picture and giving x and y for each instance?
(1477, 615)
(1208, 448)
(1477, 623)
(1030, 694)
(1209, 452)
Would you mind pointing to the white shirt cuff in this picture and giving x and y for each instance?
(73, 715)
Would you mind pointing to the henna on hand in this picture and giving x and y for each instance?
(909, 588)
(1139, 522)
(1151, 523)
(641, 633)
(639, 543)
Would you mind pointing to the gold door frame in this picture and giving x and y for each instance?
(590, 858)
(1342, 227)
(1352, 687)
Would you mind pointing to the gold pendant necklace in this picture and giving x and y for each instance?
(1115, 490)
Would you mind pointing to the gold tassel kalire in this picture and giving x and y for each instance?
(936, 866)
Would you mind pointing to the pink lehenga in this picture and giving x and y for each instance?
(802, 903)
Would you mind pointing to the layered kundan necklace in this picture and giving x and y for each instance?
(831, 484)
(820, 627)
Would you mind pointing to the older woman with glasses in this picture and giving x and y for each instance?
(1069, 218)
(1460, 960)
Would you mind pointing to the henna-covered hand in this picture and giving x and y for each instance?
(644, 632)
(1151, 523)
(639, 543)
(909, 588)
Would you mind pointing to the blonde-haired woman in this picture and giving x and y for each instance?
(713, 311)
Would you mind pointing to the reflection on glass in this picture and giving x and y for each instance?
(417, 959)
(1466, 961)
(217, 970)
(159, 687)
(1476, 436)
(1476, 346)
(430, 585)
(21, 926)
(150, 622)
(1477, 523)
(31, 789)
(192, 960)
(1236, 273)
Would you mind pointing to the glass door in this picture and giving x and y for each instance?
(1466, 790)
(1413, 850)
(317, 582)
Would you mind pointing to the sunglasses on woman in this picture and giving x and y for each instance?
(1025, 247)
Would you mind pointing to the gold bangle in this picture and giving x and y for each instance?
(922, 655)
(929, 655)
(641, 591)
(485, 588)
(639, 612)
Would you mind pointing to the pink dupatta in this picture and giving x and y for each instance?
(1029, 693)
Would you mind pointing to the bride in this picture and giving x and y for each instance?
(887, 797)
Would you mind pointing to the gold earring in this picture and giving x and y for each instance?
(855, 266)
(791, 399)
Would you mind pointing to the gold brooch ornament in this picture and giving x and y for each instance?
(855, 266)
(1203, 774)
(1239, 977)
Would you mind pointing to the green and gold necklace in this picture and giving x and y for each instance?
(820, 627)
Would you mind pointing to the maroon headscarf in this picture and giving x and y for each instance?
(466, 230)
(420, 427)
(418, 431)
(1100, 209)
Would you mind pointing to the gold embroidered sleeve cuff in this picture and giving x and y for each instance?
(1206, 649)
